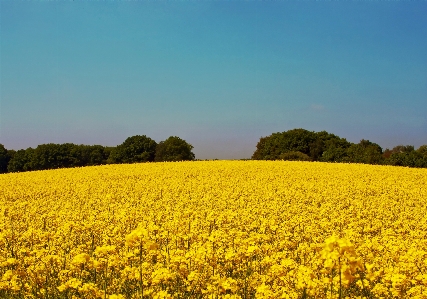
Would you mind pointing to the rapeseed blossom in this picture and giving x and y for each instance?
(218, 229)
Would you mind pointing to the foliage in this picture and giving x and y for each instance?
(21, 160)
(335, 149)
(406, 155)
(174, 149)
(403, 149)
(296, 144)
(422, 150)
(218, 229)
(411, 159)
(52, 156)
(294, 156)
(296, 140)
(334, 154)
(327, 142)
(4, 158)
(364, 152)
(133, 150)
(312, 144)
(326, 147)
(260, 151)
(88, 155)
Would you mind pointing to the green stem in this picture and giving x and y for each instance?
(339, 265)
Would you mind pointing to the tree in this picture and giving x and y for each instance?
(52, 156)
(329, 147)
(88, 155)
(402, 149)
(269, 147)
(364, 152)
(407, 156)
(334, 154)
(423, 150)
(398, 149)
(134, 149)
(174, 149)
(335, 150)
(296, 140)
(294, 156)
(409, 159)
(309, 143)
(4, 158)
(259, 152)
(21, 160)
(387, 153)
(98, 155)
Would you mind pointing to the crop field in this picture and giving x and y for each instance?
(215, 229)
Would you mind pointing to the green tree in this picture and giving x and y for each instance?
(259, 152)
(21, 160)
(269, 147)
(296, 140)
(98, 155)
(107, 152)
(52, 156)
(134, 149)
(407, 156)
(364, 152)
(402, 149)
(294, 156)
(4, 158)
(398, 149)
(88, 155)
(174, 149)
(409, 159)
(312, 144)
(423, 150)
(329, 147)
(335, 150)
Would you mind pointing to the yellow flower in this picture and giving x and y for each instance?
(215, 229)
(80, 259)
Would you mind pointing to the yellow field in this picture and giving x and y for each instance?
(220, 229)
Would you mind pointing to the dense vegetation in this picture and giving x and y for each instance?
(294, 145)
(303, 145)
(174, 149)
(134, 149)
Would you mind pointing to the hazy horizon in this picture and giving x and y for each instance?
(218, 74)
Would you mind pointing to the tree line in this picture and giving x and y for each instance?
(304, 145)
(134, 149)
(296, 144)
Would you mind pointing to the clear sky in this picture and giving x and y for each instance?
(219, 74)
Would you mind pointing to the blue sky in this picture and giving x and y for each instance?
(219, 74)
